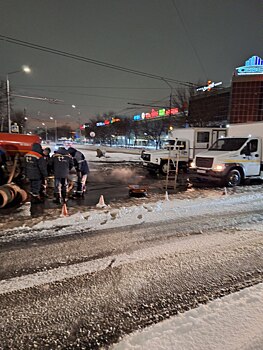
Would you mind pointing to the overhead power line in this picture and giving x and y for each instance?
(189, 37)
(47, 99)
(90, 60)
(92, 87)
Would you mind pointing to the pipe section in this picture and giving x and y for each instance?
(11, 195)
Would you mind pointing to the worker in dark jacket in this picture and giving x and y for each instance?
(46, 155)
(61, 163)
(35, 170)
(82, 168)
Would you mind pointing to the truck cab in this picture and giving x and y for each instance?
(229, 161)
(172, 148)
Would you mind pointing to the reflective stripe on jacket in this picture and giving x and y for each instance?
(35, 166)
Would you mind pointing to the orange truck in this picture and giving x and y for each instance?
(20, 144)
(13, 147)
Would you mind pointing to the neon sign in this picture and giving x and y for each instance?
(210, 85)
(108, 121)
(254, 65)
(156, 114)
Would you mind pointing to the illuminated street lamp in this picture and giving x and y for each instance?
(25, 69)
(45, 128)
(56, 128)
(75, 107)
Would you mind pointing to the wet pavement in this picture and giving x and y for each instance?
(112, 181)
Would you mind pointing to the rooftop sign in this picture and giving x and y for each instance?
(210, 85)
(254, 65)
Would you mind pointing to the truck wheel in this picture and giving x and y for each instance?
(233, 178)
(164, 168)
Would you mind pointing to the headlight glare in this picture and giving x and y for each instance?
(219, 167)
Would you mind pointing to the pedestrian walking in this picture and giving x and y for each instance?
(61, 163)
(36, 171)
(82, 169)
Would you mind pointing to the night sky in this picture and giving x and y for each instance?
(185, 40)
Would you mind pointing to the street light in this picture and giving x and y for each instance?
(25, 69)
(56, 129)
(46, 129)
(75, 107)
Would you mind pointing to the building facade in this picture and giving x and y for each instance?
(240, 103)
(209, 108)
(246, 101)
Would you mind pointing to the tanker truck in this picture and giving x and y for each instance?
(13, 147)
(232, 160)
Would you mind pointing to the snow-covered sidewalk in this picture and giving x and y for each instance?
(231, 323)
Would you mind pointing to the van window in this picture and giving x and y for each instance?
(253, 146)
(202, 136)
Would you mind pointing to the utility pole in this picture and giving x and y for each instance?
(170, 102)
(8, 104)
(24, 69)
(56, 128)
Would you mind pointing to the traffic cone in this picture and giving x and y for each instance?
(166, 196)
(101, 203)
(225, 192)
(64, 211)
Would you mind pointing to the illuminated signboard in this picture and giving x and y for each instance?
(254, 65)
(156, 113)
(108, 121)
(210, 85)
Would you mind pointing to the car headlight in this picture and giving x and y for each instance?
(219, 167)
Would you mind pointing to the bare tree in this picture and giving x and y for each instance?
(181, 100)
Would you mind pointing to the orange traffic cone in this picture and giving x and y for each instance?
(101, 203)
(64, 211)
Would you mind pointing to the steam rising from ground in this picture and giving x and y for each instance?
(126, 175)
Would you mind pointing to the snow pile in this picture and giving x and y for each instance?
(106, 217)
(156, 212)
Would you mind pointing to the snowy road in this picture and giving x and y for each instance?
(86, 287)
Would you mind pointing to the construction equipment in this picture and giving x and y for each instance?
(172, 170)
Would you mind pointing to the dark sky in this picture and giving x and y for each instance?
(187, 40)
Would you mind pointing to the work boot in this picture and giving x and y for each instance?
(79, 194)
(57, 199)
(64, 200)
(76, 195)
(35, 198)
